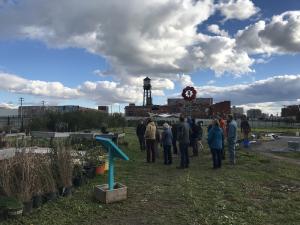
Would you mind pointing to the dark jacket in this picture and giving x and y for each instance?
(166, 137)
(140, 130)
(174, 131)
(215, 138)
(196, 131)
(245, 127)
(183, 133)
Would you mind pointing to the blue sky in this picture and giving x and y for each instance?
(91, 57)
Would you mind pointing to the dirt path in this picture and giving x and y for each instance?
(270, 147)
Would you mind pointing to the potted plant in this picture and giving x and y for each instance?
(78, 178)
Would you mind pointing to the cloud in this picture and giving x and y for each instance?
(17, 84)
(151, 37)
(210, 82)
(273, 89)
(215, 29)
(4, 105)
(185, 80)
(237, 9)
(279, 36)
(221, 55)
(101, 92)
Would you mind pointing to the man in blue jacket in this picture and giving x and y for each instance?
(231, 138)
(215, 142)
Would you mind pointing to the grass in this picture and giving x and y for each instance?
(257, 190)
(293, 155)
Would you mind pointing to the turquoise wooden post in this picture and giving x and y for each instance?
(111, 179)
(113, 152)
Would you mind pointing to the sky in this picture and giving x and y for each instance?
(97, 52)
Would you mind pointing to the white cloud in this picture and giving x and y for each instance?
(237, 9)
(151, 37)
(17, 84)
(4, 105)
(185, 80)
(279, 36)
(273, 89)
(210, 82)
(221, 55)
(215, 29)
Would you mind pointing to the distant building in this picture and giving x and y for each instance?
(103, 108)
(198, 108)
(32, 111)
(254, 113)
(237, 112)
(291, 112)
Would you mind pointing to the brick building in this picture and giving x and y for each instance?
(199, 108)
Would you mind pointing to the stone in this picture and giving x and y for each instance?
(104, 195)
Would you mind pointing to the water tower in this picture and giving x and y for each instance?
(147, 100)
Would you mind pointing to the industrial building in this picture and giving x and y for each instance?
(198, 108)
(291, 112)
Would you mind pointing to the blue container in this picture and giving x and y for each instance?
(246, 143)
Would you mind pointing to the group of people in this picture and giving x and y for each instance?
(189, 133)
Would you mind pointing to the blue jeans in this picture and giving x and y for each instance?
(231, 149)
(216, 157)
(184, 155)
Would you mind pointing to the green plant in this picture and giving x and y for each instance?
(10, 203)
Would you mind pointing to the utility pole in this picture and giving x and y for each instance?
(43, 103)
(21, 111)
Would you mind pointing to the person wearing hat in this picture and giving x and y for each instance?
(150, 136)
(183, 137)
(166, 140)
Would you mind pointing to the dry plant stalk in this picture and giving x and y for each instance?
(24, 175)
(6, 166)
(65, 165)
(46, 177)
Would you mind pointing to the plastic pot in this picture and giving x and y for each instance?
(50, 196)
(100, 169)
(27, 209)
(37, 201)
(67, 191)
(77, 181)
(90, 172)
(2, 215)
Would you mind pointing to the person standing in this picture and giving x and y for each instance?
(245, 130)
(150, 134)
(195, 137)
(140, 132)
(215, 141)
(166, 140)
(183, 137)
(231, 139)
(200, 135)
(174, 140)
(223, 127)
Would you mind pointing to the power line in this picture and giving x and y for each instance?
(21, 111)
